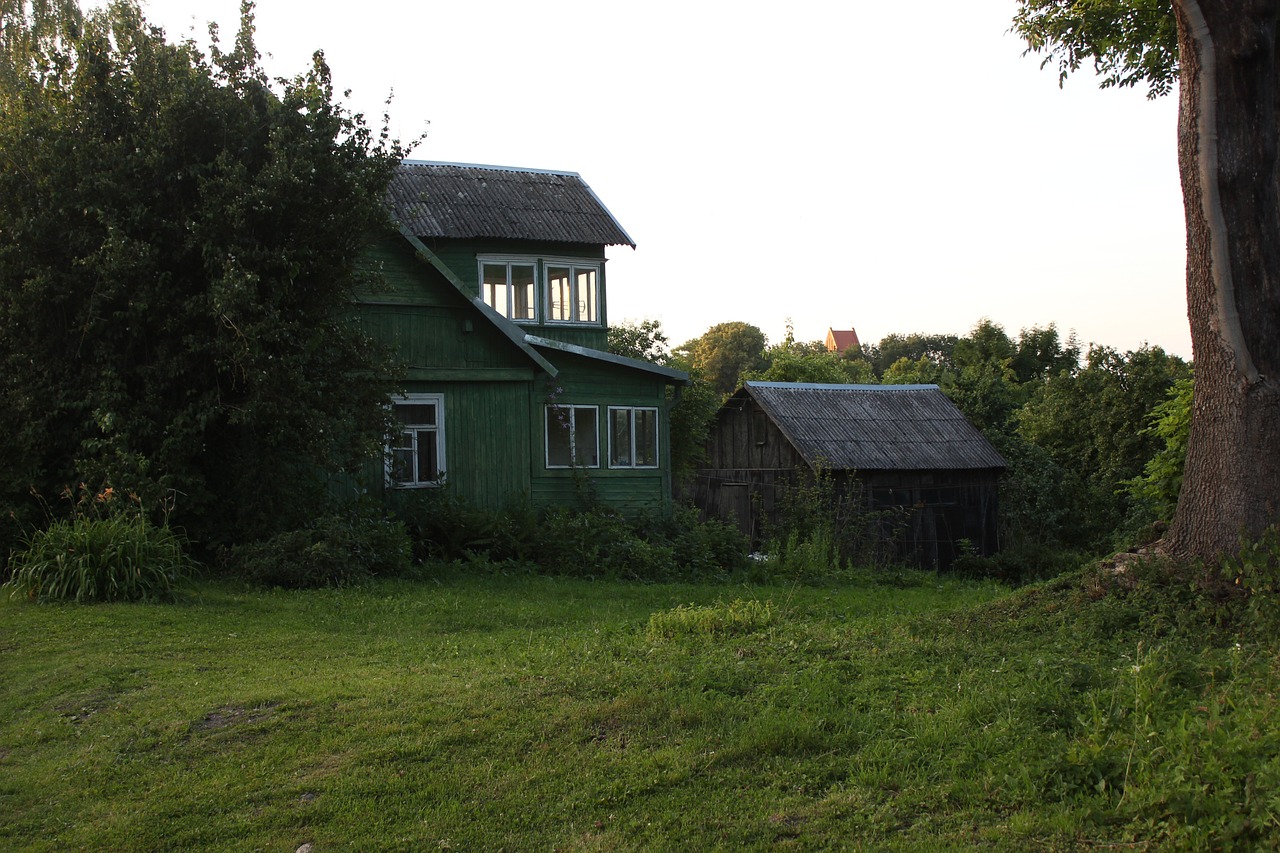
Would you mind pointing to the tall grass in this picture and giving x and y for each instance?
(118, 557)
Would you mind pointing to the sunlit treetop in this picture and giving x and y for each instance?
(1130, 42)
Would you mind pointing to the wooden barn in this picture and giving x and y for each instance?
(495, 296)
(900, 447)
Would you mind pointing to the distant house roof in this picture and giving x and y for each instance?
(840, 340)
(873, 427)
(464, 201)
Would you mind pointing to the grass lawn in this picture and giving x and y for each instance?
(533, 713)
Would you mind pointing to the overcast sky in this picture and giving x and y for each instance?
(894, 167)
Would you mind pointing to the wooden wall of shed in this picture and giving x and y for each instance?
(750, 464)
(923, 516)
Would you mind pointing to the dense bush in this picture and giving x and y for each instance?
(335, 550)
(595, 542)
(115, 555)
(1024, 563)
(195, 228)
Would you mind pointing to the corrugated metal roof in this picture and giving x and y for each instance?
(463, 201)
(874, 427)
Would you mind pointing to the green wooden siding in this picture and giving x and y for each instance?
(461, 256)
(585, 381)
(495, 393)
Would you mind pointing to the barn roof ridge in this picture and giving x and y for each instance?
(492, 167)
(874, 427)
(820, 386)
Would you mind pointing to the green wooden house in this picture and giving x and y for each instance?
(496, 296)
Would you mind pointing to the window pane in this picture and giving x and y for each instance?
(558, 443)
(620, 438)
(402, 465)
(586, 437)
(494, 288)
(560, 293)
(428, 469)
(522, 302)
(423, 414)
(586, 296)
(646, 438)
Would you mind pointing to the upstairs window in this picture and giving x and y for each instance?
(508, 288)
(573, 437)
(633, 438)
(573, 293)
(416, 455)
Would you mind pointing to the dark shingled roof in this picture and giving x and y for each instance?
(874, 427)
(463, 201)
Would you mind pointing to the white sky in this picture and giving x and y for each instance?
(897, 167)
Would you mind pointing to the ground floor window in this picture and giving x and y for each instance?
(633, 437)
(416, 455)
(573, 437)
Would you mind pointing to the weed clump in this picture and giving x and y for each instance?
(722, 618)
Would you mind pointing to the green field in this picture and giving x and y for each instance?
(533, 713)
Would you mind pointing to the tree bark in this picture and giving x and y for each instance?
(1227, 153)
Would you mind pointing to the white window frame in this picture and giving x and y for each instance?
(548, 425)
(418, 430)
(631, 430)
(509, 261)
(573, 265)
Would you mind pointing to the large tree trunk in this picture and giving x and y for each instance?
(1227, 153)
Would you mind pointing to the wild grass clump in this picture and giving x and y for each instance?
(735, 617)
(112, 553)
(820, 530)
(335, 550)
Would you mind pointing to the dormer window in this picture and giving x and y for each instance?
(542, 290)
(572, 294)
(508, 288)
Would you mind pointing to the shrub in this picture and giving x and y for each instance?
(118, 557)
(1025, 563)
(1248, 585)
(595, 542)
(704, 550)
(335, 550)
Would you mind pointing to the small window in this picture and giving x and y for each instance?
(508, 288)
(573, 293)
(573, 438)
(633, 438)
(415, 456)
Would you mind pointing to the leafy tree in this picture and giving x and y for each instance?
(1228, 70)
(914, 347)
(1129, 42)
(1092, 424)
(1161, 478)
(724, 353)
(178, 248)
(644, 340)
(811, 362)
(923, 371)
(1041, 354)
